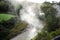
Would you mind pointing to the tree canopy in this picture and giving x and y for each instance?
(50, 16)
(4, 6)
(52, 23)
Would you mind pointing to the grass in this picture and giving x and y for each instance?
(16, 29)
(5, 17)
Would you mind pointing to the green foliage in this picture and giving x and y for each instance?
(5, 26)
(4, 6)
(9, 29)
(50, 16)
(42, 17)
(52, 27)
(54, 33)
(8, 26)
(43, 35)
(5, 17)
(16, 30)
(6, 23)
(48, 9)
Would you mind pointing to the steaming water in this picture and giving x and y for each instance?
(29, 14)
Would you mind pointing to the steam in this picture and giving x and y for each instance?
(29, 13)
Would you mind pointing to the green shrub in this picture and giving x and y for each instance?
(47, 36)
(6, 23)
(16, 30)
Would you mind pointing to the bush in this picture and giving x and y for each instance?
(16, 30)
(6, 23)
(47, 36)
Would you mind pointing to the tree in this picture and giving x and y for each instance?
(4, 6)
(52, 27)
(50, 16)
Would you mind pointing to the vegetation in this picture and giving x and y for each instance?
(11, 30)
(5, 26)
(47, 36)
(50, 16)
(16, 30)
(8, 23)
(52, 27)
(4, 6)
(5, 17)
